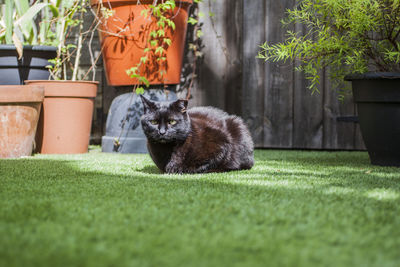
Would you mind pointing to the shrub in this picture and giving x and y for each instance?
(348, 36)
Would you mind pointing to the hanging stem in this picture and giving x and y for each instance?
(79, 46)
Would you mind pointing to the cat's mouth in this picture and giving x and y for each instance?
(161, 140)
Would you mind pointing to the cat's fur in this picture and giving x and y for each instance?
(197, 140)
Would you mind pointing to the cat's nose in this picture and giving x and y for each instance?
(162, 131)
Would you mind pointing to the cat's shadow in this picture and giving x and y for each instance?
(150, 169)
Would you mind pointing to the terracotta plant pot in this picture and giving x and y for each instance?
(19, 114)
(124, 36)
(66, 119)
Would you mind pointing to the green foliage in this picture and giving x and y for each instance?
(348, 36)
(159, 40)
(195, 45)
(65, 16)
(45, 22)
(157, 45)
(192, 21)
(17, 22)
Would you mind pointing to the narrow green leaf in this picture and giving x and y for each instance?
(140, 90)
(153, 42)
(143, 60)
(27, 18)
(8, 16)
(160, 33)
(144, 81)
(192, 21)
(167, 41)
(159, 50)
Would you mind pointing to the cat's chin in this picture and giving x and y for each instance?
(161, 141)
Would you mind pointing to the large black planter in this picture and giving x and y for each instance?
(32, 65)
(123, 122)
(377, 96)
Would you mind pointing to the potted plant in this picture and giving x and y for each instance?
(145, 37)
(24, 47)
(142, 46)
(65, 122)
(357, 40)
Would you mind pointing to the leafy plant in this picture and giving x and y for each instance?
(195, 46)
(66, 16)
(158, 42)
(17, 23)
(348, 36)
(46, 22)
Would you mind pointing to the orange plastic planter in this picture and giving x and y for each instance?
(66, 119)
(124, 36)
(19, 114)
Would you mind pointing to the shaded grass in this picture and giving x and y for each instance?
(293, 208)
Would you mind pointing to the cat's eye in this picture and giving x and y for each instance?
(154, 122)
(172, 122)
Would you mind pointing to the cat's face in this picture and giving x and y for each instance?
(165, 122)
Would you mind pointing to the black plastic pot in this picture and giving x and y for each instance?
(32, 65)
(377, 96)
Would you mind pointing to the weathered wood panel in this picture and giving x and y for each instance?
(307, 111)
(337, 134)
(253, 70)
(210, 87)
(219, 72)
(278, 85)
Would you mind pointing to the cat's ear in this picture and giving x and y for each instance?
(148, 105)
(180, 105)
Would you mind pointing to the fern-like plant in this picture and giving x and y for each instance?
(348, 36)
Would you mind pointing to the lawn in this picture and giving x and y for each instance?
(294, 208)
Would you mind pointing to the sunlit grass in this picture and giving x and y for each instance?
(294, 208)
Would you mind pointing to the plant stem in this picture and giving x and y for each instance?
(79, 48)
(61, 39)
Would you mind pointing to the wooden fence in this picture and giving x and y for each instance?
(272, 98)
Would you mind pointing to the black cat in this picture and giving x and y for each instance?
(197, 140)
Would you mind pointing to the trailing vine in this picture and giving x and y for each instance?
(157, 44)
(193, 53)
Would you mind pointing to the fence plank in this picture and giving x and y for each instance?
(211, 84)
(337, 134)
(253, 69)
(307, 111)
(278, 86)
(233, 25)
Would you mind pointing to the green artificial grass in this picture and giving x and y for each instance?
(294, 208)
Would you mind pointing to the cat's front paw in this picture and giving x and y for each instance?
(173, 169)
